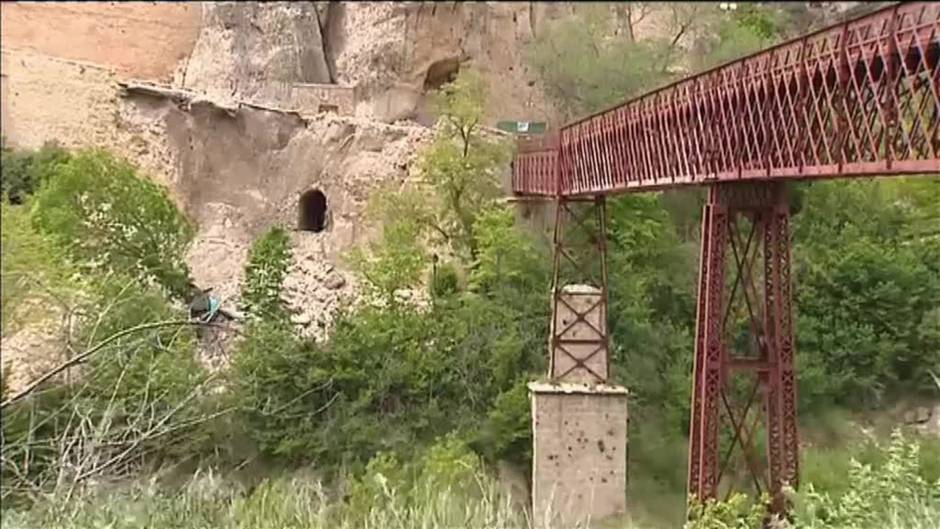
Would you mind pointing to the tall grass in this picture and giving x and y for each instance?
(210, 502)
(890, 493)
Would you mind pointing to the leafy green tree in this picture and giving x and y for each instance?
(106, 217)
(866, 291)
(599, 56)
(462, 165)
(460, 179)
(507, 258)
(394, 262)
(583, 69)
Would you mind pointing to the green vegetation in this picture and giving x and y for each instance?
(22, 172)
(868, 284)
(405, 411)
(126, 392)
(448, 488)
(268, 262)
(109, 220)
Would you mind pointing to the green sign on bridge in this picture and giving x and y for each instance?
(522, 127)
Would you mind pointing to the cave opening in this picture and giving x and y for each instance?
(311, 211)
(441, 73)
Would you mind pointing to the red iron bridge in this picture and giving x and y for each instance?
(859, 99)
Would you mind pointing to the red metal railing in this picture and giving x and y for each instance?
(859, 98)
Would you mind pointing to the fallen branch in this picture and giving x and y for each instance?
(84, 356)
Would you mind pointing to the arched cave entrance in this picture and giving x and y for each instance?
(311, 211)
(439, 73)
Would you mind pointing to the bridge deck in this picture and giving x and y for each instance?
(859, 98)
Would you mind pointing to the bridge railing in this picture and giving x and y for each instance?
(859, 98)
(536, 163)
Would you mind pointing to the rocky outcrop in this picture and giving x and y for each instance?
(395, 52)
(234, 159)
(242, 168)
(251, 50)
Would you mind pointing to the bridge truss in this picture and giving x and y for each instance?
(861, 98)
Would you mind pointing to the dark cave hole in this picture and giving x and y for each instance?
(312, 211)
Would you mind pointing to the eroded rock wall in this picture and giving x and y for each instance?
(230, 158)
(137, 39)
(388, 49)
(252, 50)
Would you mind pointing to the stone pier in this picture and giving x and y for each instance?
(579, 457)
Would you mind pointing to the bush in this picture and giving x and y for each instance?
(866, 291)
(268, 263)
(106, 217)
(397, 261)
(390, 379)
(270, 374)
(33, 273)
(737, 512)
(445, 280)
(134, 400)
(23, 172)
(890, 495)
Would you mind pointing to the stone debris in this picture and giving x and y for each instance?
(334, 281)
(314, 289)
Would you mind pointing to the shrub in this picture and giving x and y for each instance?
(892, 494)
(866, 291)
(507, 259)
(23, 172)
(389, 379)
(32, 271)
(397, 261)
(270, 374)
(133, 400)
(507, 431)
(445, 280)
(737, 512)
(106, 217)
(268, 263)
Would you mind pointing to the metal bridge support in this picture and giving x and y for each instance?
(580, 341)
(743, 379)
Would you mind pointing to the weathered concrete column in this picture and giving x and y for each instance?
(579, 457)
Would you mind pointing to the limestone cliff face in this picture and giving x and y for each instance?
(249, 50)
(218, 136)
(395, 52)
(392, 53)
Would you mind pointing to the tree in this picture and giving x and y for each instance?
(600, 57)
(583, 69)
(507, 258)
(23, 172)
(462, 165)
(866, 289)
(106, 217)
(459, 173)
(398, 259)
(32, 270)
